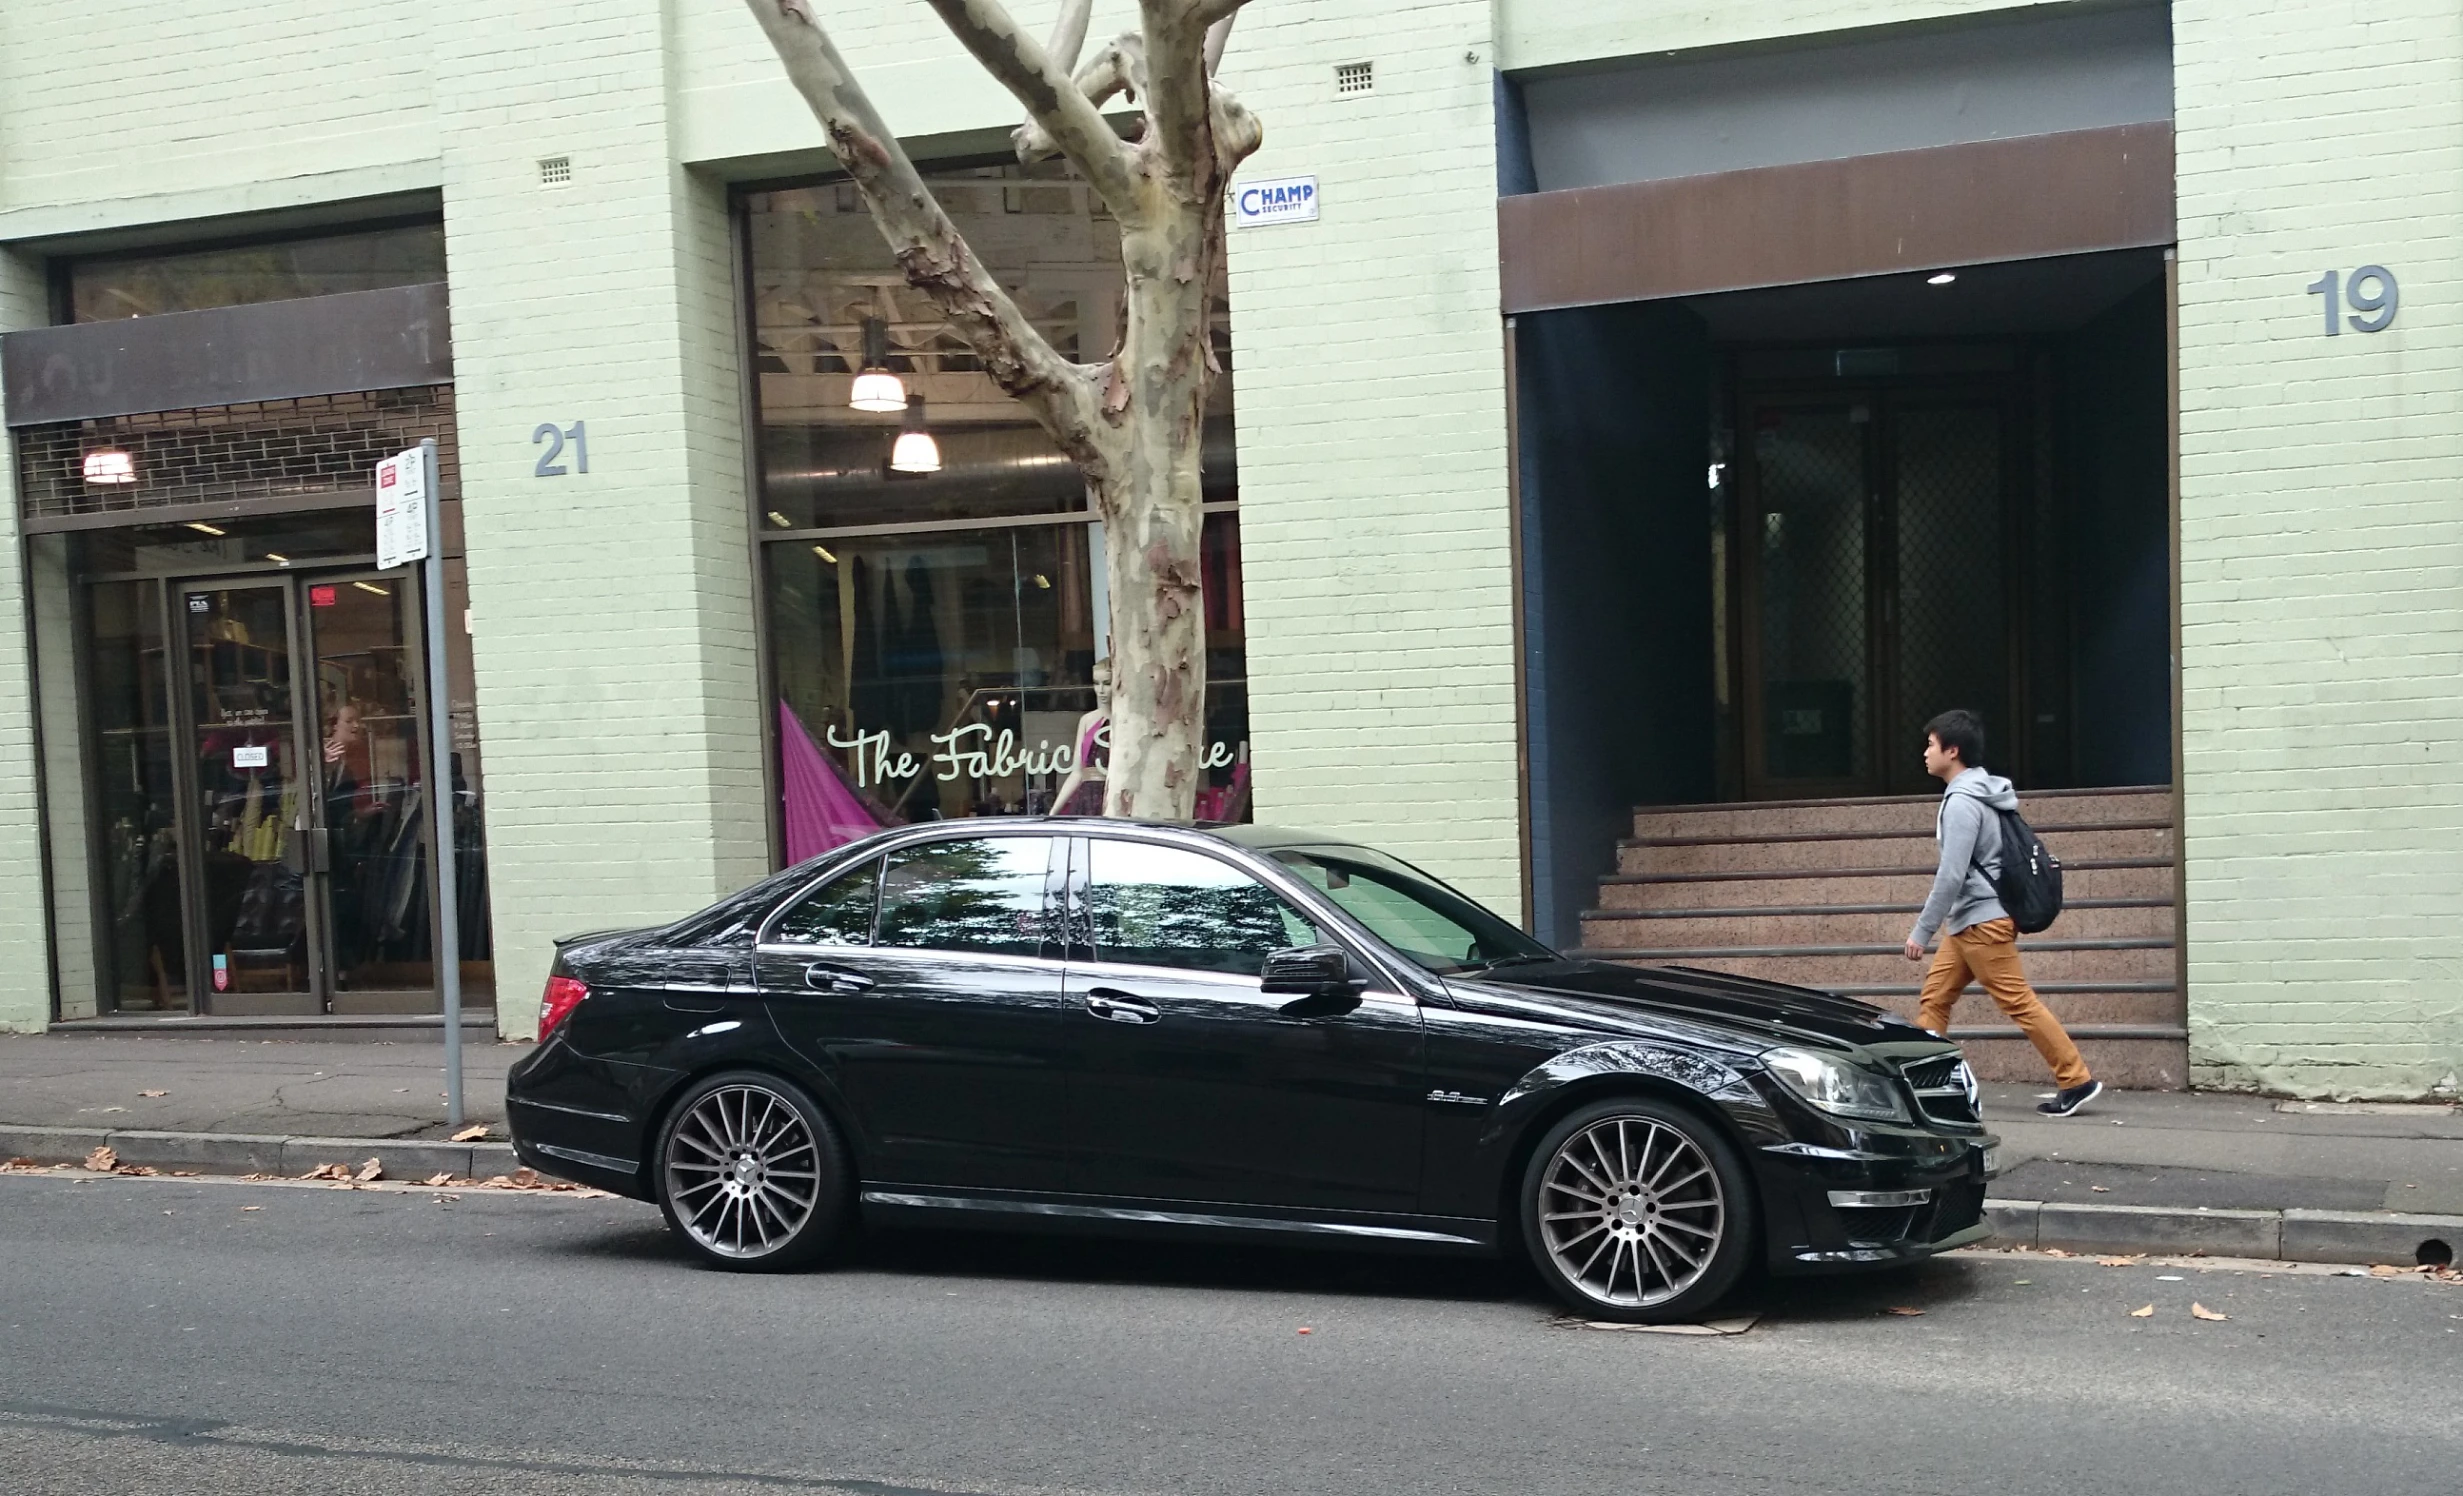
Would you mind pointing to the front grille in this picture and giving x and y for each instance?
(1944, 1087)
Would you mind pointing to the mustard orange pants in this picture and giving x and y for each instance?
(1989, 954)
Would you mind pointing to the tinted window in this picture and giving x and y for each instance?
(839, 912)
(732, 920)
(1161, 906)
(1433, 925)
(981, 895)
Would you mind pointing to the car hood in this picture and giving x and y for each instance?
(1745, 1012)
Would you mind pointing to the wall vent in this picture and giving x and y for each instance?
(1354, 77)
(555, 171)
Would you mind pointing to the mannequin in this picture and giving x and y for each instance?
(1081, 794)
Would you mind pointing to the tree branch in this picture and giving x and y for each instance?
(1119, 68)
(930, 251)
(1178, 104)
(1218, 36)
(1051, 99)
(1069, 33)
(1208, 12)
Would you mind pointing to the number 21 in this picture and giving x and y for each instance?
(548, 466)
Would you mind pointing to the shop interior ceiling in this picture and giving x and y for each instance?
(2013, 298)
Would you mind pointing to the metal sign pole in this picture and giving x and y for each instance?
(442, 798)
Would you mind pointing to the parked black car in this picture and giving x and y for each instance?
(1234, 1033)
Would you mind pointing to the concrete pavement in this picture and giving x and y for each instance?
(161, 1335)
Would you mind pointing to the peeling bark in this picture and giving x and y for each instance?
(1135, 422)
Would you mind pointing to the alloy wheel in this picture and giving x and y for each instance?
(743, 1171)
(1631, 1212)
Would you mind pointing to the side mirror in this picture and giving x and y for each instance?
(1306, 971)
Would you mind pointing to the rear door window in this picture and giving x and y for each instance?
(984, 894)
(838, 913)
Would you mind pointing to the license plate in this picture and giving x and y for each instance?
(1992, 1162)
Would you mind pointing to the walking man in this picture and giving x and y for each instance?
(1977, 936)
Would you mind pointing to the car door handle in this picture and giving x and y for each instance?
(1120, 1007)
(823, 977)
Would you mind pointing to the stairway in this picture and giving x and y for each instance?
(1822, 893)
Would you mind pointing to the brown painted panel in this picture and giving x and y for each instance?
(2071, 193)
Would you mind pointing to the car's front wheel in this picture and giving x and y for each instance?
(1637, 1210)
(751, 1174)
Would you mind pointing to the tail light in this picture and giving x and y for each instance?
(562, 996)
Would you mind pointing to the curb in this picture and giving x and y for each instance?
(256, 1153)
(2365, 1236)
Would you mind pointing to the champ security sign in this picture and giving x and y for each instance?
(402, 509)
(1282, 200)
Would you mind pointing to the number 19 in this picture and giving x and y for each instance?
(2372, 311)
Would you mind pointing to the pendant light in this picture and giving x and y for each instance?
(916, 451)
(876, 388)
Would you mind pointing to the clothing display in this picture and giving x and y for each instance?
(822, 810)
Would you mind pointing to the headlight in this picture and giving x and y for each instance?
(1836, 1086)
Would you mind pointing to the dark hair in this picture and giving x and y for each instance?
(1961, 732)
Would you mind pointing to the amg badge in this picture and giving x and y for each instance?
(1457, 1098)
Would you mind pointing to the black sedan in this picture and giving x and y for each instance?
(1239, 1034)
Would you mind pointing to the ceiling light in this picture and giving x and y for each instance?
(915, 451)
(372, 587)
(202, 528)
(875, 387)
(111, 466)
(1043, 581)
(781, 520)
(823, 552)
(1941, 278)
(278, 556)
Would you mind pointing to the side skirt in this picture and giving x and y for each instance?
(893, 1205)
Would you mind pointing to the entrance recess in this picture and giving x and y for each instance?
(1874, 580)
(305, 794)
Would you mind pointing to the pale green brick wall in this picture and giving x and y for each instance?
(1374, 515)
(2321, 546)
(612, 630)
(1550, 33)
(25, 963)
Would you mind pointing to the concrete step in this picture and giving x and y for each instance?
(1829, 966)
(1868, 849)
(2126, 1064)
(1895, 813)
(2144, 878)
(1693, 929)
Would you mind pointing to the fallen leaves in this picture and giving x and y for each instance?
(2116, 1261)
(151, 1094)
(246, 1208)
(372, 1170)
(102, 1160)
(472, 1134)
(1908, 1311)
(437, 1179)
(2099, 1189)
(2146, 1313)
(329, 1171)
(2201, 1311)
(2387, 1270)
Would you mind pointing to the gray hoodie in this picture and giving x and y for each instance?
(1970, 838)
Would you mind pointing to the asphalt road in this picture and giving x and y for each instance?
(162, 1336)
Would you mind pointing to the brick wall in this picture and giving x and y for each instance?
(1374, 516)
(1548, 33)
(2321, 546)
(612, 633)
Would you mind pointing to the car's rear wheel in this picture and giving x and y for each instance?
(751, 1174)
(1637, 1210)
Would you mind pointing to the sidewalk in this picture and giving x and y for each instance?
(2139, 1171)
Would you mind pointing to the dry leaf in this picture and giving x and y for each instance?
(1903, 1309)
(373, 1169)
(2147, 1313)
(20, 1163)
(102, 1160)
(2114, 1261)
(328, 1171)
(469, 1134)
(2201, 1311)
(438, 1179)
(2099, 1189)
(252, 1207)
(525, 1179)
(153, 1093)
(2057, 1252)
(2382, 1270)
(137, 1170)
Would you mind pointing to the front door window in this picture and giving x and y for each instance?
(252, 793)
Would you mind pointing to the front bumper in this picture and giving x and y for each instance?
(1869, 1198)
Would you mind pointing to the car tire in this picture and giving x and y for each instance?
(1638, 1210)
(750, 1174)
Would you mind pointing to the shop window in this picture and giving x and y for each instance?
(938, 640)
(145, 285)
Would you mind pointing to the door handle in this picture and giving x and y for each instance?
(1120, 1007)
(823, 977)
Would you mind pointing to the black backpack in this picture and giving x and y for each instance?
(2030, 880)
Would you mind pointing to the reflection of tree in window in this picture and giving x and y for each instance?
(982, 895)
(1437, 928)
(1158, 906)
(839, 913)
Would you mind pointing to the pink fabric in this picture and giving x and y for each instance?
(821, 811)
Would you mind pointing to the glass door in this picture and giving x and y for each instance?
(250, 788)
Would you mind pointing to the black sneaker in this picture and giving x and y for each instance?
(2065, 1102)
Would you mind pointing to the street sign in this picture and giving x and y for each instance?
(401, 509)
(1283, 200)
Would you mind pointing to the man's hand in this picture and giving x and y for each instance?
(1915, 949)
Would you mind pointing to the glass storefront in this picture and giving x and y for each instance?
(192, 280)
(938, 641)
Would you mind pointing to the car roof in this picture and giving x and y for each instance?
(1255, 838)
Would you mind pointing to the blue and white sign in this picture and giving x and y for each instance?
(1283, 200)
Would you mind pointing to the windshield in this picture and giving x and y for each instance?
(1423, 919)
